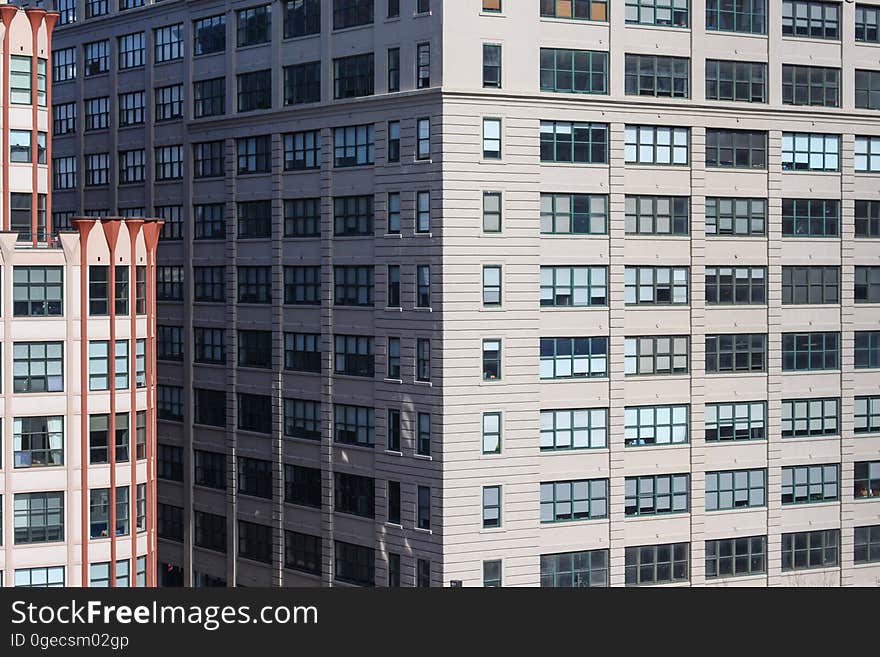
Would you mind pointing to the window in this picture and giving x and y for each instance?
(170, 403)
(67, 11)
(131, 166)
(302, 285)
(208, 160)
(571, 286)
(745, 16)
(492, 285)
(253, 25)
(302, 485)
(572, 569)
(169, 162)
(302, 18)
(736, 352)
(64, 173)
(209, 284)
(575, 428)
(867, 21)
(492, 212)
(169, 462)
(38, 366)
(141, 508)
(255, 413)
(810, 417)
(656, 425)
(810, 285)
(64, 119)
(567, 358)
(168, 43)
(657, 564)
(354, 564)
(736, 216)
(491, 572)
(131, 108)
(255, 284)
(423, 140)
(353, 215)
(131, 50)
(867, 218)
(47, 577)
(810, 85)
(210, 469)
(97, 111)
(646, 144)
(97, 170)
(302, 418)
(423, 438)
(302, 150)
(38, 517)
(577, 143)
(817, 549)
(423, 65)
(736, 285)
(169, 283)
(169, 342)
(657, 494)
(669, 13)
(393, 70)
(589, 10)
(394, 12)
(735, 489)
(867, 544)
(353, 285)
(255, 349)
(814, 20)
(867, 479)
(491, 433)
(867, 349)
(63, 64)
(254, 154)
(97, 60)
(353, 76)
(354, 495)
(254, 219)
(806, 484)
(491, 506)
(351, 13)
(353, 146)
(803, 151)
(423, 286)
(209, 98)
(657, 215)
(738, 149)
(96, 8)
(656, 285)
(254, 541)
(423, 212)
(302, 551)
(736, 81)
(38, 441)
(392, 439)
(585, 499)
(423, 359)
(254, 90)
(492, 139)
(302, 352)
(99, 512)
(209, 531)
(491, 66)
(867, 285)
(255, 477)
(302, 83)
(354, 425)
(574, 214)
(810, 351)
(37, 291)
(169, 522)
(566, 71)
(746, 555)
(656, 75)
(209, 35)
(491, 360)
(354, 355)
(656, 354)
(99, 290)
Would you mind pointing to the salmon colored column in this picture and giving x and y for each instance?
(134, 228)
(7, 13)
(35, 16)
(84, 226)
(51, 19)
(151, 239)
(111, 234)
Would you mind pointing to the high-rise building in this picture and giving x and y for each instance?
(498, 292)
(77, 436)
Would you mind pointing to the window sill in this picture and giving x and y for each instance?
(389, 380)
(420, 530)
(652, 27)
(420, 309)
(423, 457)
(424, 234)
(392, 452)
(497, 14)
(364, 448)
(300, 37)
(423, 384)
(395, 525)
(393, 236)
(393, 309)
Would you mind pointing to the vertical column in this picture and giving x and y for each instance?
(774, 361)
(134, 227)
(49, 21)
(278, 349)
(35, 17)
(616, 361)
(231, 317)
(7, 14)
(111, 234)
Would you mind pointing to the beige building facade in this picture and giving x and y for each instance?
(570, 293)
